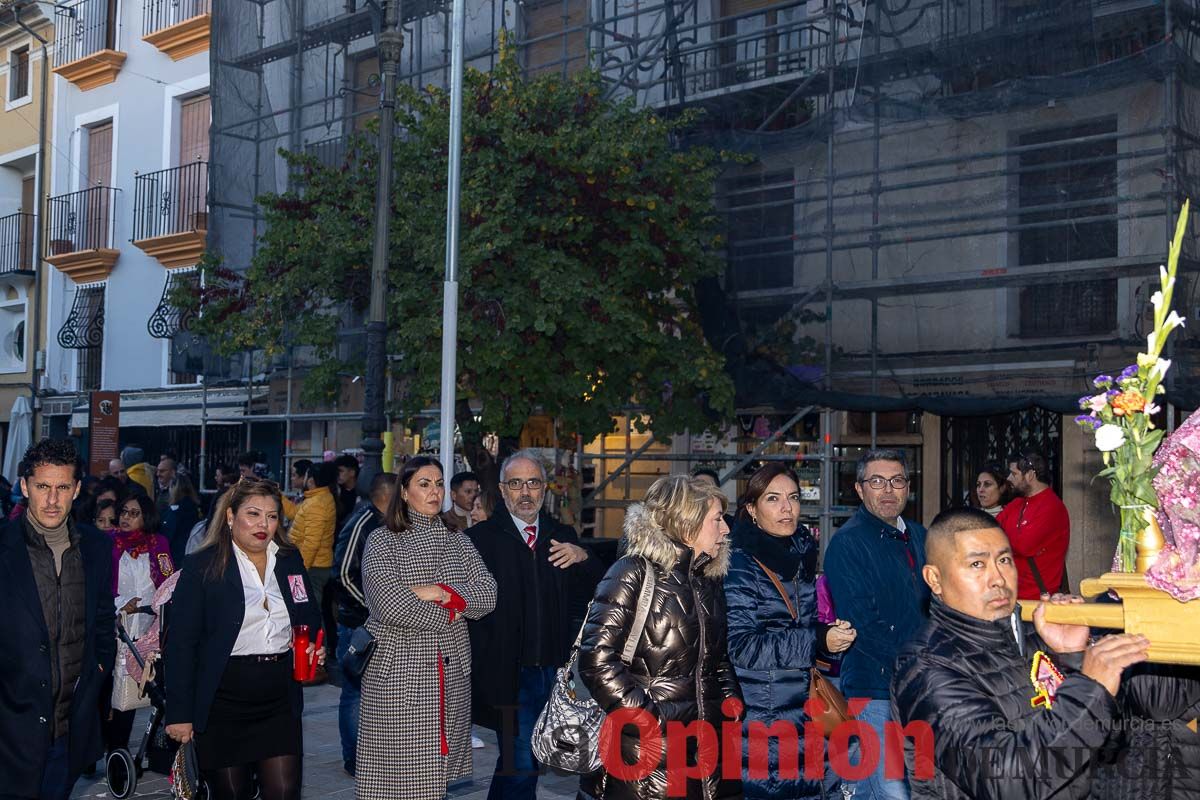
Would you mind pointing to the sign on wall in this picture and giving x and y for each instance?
(104, 425)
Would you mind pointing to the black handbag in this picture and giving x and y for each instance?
(186, 783)
(357, 656)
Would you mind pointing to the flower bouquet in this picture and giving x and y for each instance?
(1120, 416)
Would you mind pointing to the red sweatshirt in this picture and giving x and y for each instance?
(1038, 527)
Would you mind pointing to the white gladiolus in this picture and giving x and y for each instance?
(1166, 280)
(1173, 321)
(1109, 438)
(1157, 300)
(1159, 370)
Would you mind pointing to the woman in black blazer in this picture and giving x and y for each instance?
(228, 648)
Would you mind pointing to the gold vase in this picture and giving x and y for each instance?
(1150, 543)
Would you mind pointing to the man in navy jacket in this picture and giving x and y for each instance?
(57, 634)
(874, 569)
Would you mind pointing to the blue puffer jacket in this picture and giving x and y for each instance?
(874, 574)
(772, 653)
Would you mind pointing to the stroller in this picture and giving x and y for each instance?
(155, 749)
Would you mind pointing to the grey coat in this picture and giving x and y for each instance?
(408, 749)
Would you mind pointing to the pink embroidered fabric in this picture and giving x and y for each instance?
(1177, 570)
(148, 643)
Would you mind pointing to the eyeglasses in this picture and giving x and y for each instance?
(529, 483)
(130, 512)
(898, 482)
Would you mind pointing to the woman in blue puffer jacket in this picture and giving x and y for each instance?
(773, 641)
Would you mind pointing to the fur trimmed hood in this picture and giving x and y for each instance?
(646, 539)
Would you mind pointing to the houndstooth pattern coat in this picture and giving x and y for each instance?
(401, 722)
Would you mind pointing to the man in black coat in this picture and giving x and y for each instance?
(57, 631)
(538, 564)
(1013, 710)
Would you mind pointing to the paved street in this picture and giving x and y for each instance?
(323, 775)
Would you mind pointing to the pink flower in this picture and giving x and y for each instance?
(1098, 403)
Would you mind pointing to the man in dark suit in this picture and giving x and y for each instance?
(57, 631)
(537, 563)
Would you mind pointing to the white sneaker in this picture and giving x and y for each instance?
(476, 743)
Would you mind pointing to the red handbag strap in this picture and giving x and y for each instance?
(787, 601)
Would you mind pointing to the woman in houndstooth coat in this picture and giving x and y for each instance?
(420, 580)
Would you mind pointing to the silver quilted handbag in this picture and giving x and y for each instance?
(567, 733)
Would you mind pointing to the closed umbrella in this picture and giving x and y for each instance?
(20, 436)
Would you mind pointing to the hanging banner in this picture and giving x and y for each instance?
(104, 426)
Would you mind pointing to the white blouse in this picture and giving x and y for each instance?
(133, 580)
(267, 626)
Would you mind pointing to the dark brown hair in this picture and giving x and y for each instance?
(396, 517)
(759, 482)
(1000, 476)
(220, 535)
(149, 511)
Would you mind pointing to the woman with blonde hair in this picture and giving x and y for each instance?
(422, 583)
(229, 687)
(680, 671)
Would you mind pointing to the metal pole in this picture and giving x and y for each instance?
(450, 288)
(732, 472)
(390, 43)
(203, 432)
(1169, 187)
(826, 419)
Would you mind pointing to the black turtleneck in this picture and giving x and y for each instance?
(783, 555)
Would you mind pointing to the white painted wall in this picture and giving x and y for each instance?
(143, 103)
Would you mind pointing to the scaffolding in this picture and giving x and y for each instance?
(954, 205)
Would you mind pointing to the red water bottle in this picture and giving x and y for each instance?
(300, 653)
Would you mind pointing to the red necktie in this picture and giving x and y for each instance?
(531, 536)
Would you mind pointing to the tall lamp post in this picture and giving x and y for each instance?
(390, 42)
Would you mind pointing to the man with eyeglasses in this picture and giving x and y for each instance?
(1038, 526)
(874, 566)
(538, 566)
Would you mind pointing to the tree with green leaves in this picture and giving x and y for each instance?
(584, 230)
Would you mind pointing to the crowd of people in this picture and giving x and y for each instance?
(471, 612)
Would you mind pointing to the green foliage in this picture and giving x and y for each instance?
(583, 232)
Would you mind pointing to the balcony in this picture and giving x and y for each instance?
(170, 214)
(80, 233)
(179, 28)
(16, 244)
(85, 43)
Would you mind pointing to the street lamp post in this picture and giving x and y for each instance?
(390, 43)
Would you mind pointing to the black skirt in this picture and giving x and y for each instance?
(251, 717)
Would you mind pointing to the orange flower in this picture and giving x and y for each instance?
(1128, 402)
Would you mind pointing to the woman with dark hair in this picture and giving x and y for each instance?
(229, 686)
(991, 489)
(141, 561)
(422, 582)
(181, 515)
(774, 634)
(104, 517)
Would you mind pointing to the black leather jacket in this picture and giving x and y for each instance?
(680, 670)
(969, 680)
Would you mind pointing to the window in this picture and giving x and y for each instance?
(1067, 196)
(18, 73)
(83, 332)
(556, 35)
(760, 225)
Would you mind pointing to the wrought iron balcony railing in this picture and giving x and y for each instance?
(83, 27)
(81, 220)
(159, 14)
(16, 243)
(171, 201)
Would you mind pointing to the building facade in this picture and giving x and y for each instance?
(126, 216)
(26, 42)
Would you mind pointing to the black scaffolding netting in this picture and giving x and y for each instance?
(957, 206)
